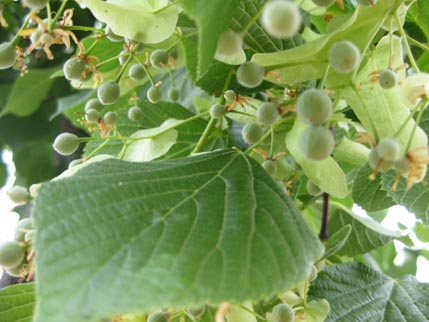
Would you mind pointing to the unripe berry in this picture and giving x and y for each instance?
(23, 226)
(388, 79)
(267, 114)
(110, 118)
(324, 3)
(217, 111)
(94, 104)
(252, 133)
(283, 313)
(316, 143)
(159, 58)
(73, 68)
(92, 116)
(250, 74)
(109, 92)
(111, 35)
(270, 166)
(153, 94)
(229, 96)
(344, 56)
(281, 18)
(35, 38)
(173, 94)
(137, 72)
(36, 4)
(313, 189)
(29, 236)
(367, 3)
(7, 55)
(18, 194)
(66, 143)
(314, 107)
(11, 254)
(123, 56)
(388, 149)
(135, 114)
(229, 43)
(375, 162)
(157, 317)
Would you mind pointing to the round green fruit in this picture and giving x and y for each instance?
(229, 43)
(7, 55)
(270, 166)
(375, 161)
(388, 149)
(316, 143)
(110, 118)
(344, 56)
(11, 254)
(159, 58)
(173, 94)
(313, 189)
(281, 18)
(123, 56)
(66, 143)
(217, 111)
(283, 313)
(135, 114)
(108, 93)
(18, 194)
(92, 116)
(153, 94)
(94, 104)
(23, 226)
(136, 72)
(314, 107)
(324, 3)
(36, 4)
(388, 79)
(74, 68)
(229, 96)
(252, 133)
(267, 113)
(250, 74)
(157, 317)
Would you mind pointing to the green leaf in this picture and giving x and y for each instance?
(28, 92)
(3, 173)
(356, 292)
(369, 193)
(309, 61)
(315, 311)
(415, 199)
(337, 241)
(326, 173)
(143, 21)
(210, 26)
(418, 13)
(136, 225)
(17, 303)
(366, 234)
(422, 232)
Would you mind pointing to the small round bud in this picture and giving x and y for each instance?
(29, 236)
(375, 161)
(281, 18)
(173, 94)
(136, 72)
(250, 74)
(92, 116)
(229, 96)
(313, 189)
(108, 93)
(157, 317)
(74, 68)
(110, 118)
(11, 254)
(316, 143)
(135, 114)
(388, 79)
(270, 166)
(252, 133)
(7, 55)
(159, 58)
(267, 114)
(217, 111)
(153, 94)
(229, 43)
(123, 56)
(94, 104)
(388, 149)
(314, 107)
(18, 194)
(66, 143)
(23, 226)
(344, 56)
(283, 313)
(111, 35)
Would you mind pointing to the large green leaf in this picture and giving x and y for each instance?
(212, 17)
(309, 61)
(369, 193)
(419, 14)
(17, 303)
(356, 292)
(366, 233)
(144, 21)
(125, 234)
(28, 92)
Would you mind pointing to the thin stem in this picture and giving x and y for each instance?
(324, 233)
(325, 76)
(107, 61)
(123, 68)
(414, 42)
(272, 142)
(252, 20)
(102, 145)
(204, 137)
(50, 24)
(416, 124)
(264, 137)
(409, 117)
(148, 74)
(82, 28)
(24, 25)
(253, 313)
(163, 8)
(59, 13)
(374, 128)
(91, 48)
(406, 44)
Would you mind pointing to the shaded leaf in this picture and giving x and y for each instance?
(337, 241)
